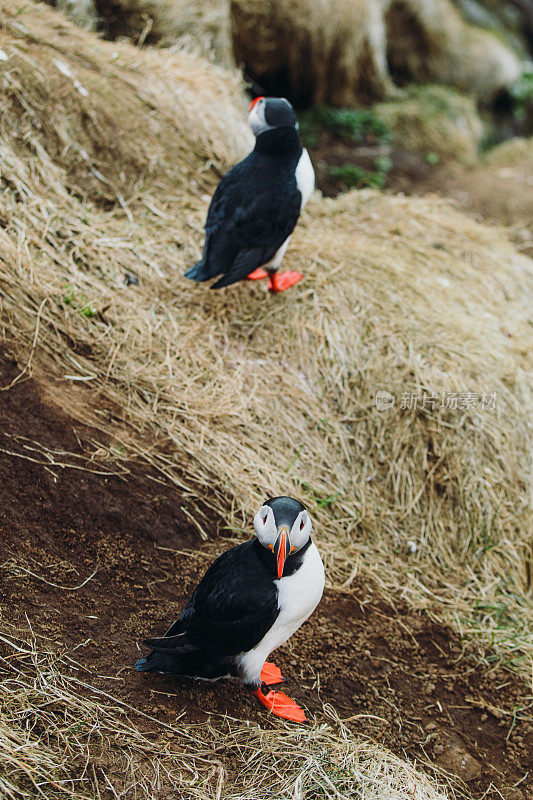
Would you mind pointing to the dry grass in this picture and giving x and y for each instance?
(61, 739)
(200, 26)
(339, 52)
(346, 52)
(108, 170)
(120, 121)
(515, 151)
(497, 187)
(434, 119)
(400, 294)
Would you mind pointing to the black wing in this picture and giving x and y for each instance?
(231, 609)
(254, 209)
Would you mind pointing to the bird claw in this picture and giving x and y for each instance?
(270, 674)
(281, 281)
(280, 705)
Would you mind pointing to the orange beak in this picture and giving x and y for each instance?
(281, 549)
(252, 104)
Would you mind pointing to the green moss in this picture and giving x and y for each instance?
(522, 94)
(353, 176)
(346, 124)
(78, 301)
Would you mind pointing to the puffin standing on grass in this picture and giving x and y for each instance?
(248, 603)
(256, 205)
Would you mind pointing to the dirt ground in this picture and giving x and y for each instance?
(127, 543)
(408, 169)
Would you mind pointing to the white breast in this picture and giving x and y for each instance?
(305, 181)
(298, 596)
(305, 177)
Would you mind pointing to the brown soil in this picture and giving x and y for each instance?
(408, 170)
(399, 677)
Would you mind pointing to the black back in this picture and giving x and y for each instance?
(234, 604)
(232, 607)
(254, 209)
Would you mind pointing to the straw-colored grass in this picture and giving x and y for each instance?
(202, 26)
(344, 52)
(61, 739)
(434, 119)
(108, 156)
(139, 117)
(515, 151)
(239, 394)
(333, 52)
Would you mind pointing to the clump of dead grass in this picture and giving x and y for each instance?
(508, 154)
(200, 26)
(57, 743)
(62, 739)
(434, 119)
(350, 51)
(112, 116)
(235, 394)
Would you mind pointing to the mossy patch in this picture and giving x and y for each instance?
(353, 176)
(349, 125)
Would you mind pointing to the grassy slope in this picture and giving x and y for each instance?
(108, 169)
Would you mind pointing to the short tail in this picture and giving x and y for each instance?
(161, 662)
(144, 664)
(197, 273)
(169, 654)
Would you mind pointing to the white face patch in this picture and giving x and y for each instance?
(269, 113)
(267, 530)
(265, 526)
(256, 118)
(300, 531)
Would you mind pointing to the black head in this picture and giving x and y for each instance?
(283, 526)
(269, 113)
(286, 510)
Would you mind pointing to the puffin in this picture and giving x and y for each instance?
(256, 205)
(249, 602)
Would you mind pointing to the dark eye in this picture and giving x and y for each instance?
(265, 519)
(302, 524)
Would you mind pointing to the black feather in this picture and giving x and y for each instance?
(246, 262)
(195, 273)
(230, 611)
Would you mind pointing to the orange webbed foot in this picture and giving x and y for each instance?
(270, 674)
(281, 281)
(258, 274)
(280, 705)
